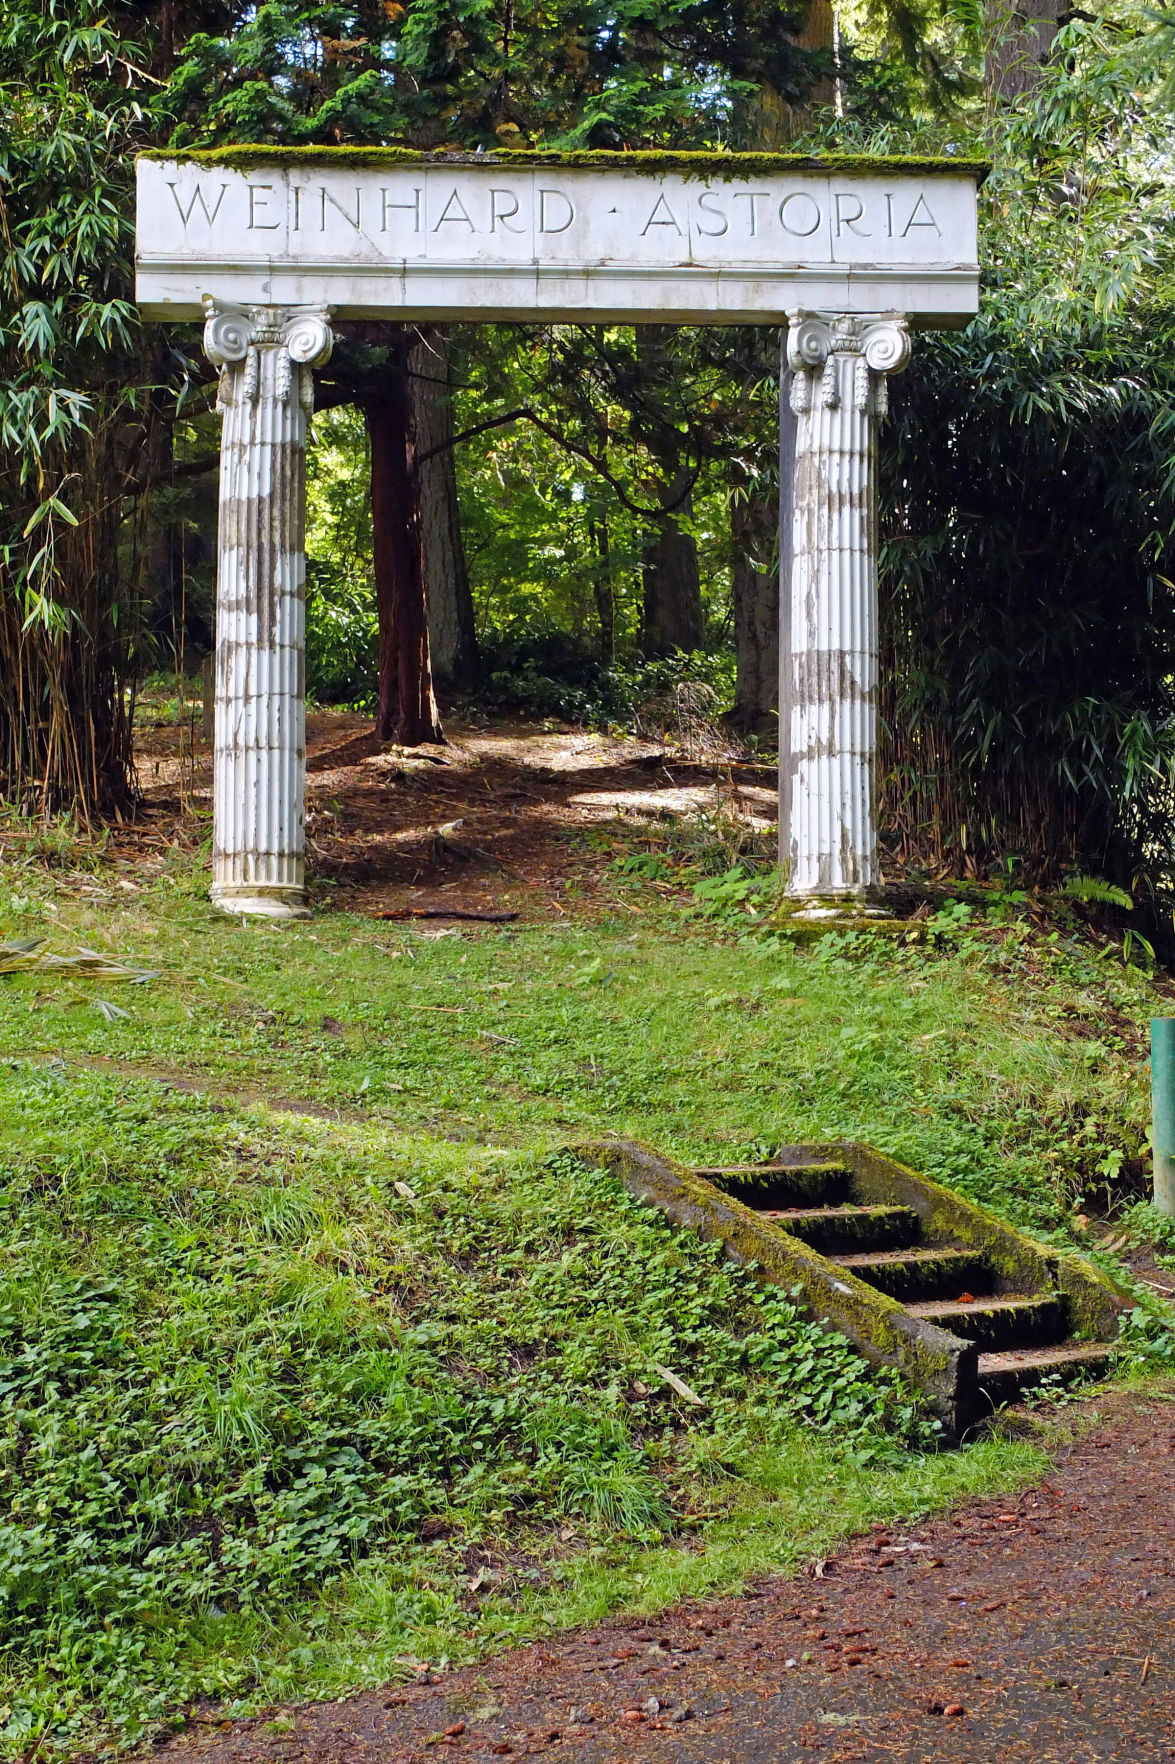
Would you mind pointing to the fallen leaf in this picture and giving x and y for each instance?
(679, 1385)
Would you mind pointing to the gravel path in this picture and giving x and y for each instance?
(1039, 1629)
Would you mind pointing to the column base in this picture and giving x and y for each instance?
(260, 902)
(832, 912)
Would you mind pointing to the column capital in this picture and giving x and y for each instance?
(877, 343)
(233, 335)
(231, 331)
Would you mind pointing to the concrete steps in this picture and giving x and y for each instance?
(921, 1280)
(1022, 1338)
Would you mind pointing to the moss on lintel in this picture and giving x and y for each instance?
(694, 165)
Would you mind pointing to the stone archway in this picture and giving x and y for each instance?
(270, 244)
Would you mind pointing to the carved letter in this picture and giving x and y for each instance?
(186, 214)
(355, 221)
(844, 220)
(545, 223)
(265, 191)
(714, 213)
(669, 219)
(414, 206)
(915, 222)
(503, 215)
(788, 226)
(458, 217)
(752, 196)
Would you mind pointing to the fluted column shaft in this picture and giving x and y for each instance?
(265, 356)
(838, 368)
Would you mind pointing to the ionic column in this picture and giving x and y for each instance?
(839, 366)
(265, 355)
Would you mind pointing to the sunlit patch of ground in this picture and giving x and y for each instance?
(504, 817)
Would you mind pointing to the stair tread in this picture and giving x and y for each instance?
(1003, 1301)
(709, 1170)
(865, 1258)
(1069, 1353)
(850, 1210)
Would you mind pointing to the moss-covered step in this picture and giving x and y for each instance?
(778, 1185)
(968, 1309)
(998, 1324)
(910, 1275)
(1006, 1376)
(830, 1229)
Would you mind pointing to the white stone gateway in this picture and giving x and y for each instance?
(268, 245)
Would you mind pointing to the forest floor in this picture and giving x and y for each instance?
(506, 817)
(324, 1364)
(1036, 1630)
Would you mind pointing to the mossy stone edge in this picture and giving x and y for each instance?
(696, 165)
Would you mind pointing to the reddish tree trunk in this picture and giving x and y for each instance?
(451, 634)
(755, 598)
(407, 707)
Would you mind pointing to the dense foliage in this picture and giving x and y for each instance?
(1029, 487)
(76, 418)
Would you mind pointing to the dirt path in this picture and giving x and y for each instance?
(506, 816)
(1040, 1629)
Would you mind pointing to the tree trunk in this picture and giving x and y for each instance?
(451, 634)
(407, 708)
(773, 118)
(673, 614)
(1021, 41)
(755, 598)
(605, 593)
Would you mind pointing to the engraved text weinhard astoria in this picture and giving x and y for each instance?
(488, 241)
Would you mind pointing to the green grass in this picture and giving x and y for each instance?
(287, 1400)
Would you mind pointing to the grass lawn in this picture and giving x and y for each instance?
(334, 1362)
